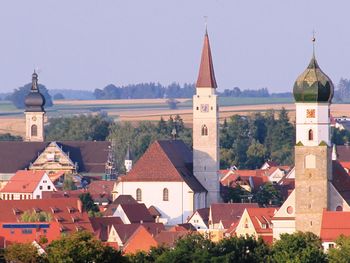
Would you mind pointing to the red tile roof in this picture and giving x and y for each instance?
(206, 76)
(334, 224)
(260, 216)
(121, 199)
(125, 231)
(102, 225)
(228, 211)
(101, 190)
(165, 161)
(137, 213)
(169, 238)
(23, 182)
(140, 240)
(67, 211)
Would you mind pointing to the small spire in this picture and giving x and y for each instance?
(206, 24)
(313, 43)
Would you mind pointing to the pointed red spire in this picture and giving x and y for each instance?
(206, 76)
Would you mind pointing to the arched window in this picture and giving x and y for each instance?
(204, 130)
(339, 208)
(34, 130)
(311, 135)
(165, 194)
(138, 195)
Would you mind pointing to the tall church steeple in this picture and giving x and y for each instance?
(313, 92)
(34, 112)
(205, 127)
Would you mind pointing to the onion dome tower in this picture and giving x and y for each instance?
(34, 112)
(313, 93)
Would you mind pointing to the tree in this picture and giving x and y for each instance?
(23, 253)
(88, 204)
(341, 252)
(267, 195)
(10, 137)
(81, 247)
(193, 248)
(58, 96)
(298, 247)
(234, 194)
(18, 95)
(78, 128)
(32, 216)
(68, 183)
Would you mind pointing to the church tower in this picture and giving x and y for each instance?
(313, 93)
(34, 112)
(206, 159)
(128, 160)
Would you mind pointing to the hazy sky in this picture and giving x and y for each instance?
(85, 44)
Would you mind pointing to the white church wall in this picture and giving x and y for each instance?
(176, 210)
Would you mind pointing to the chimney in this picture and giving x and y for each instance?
(80, 206)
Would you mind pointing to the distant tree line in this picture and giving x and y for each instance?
(174, 90)
(145, 91)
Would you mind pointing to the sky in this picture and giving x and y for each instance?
(86, 44)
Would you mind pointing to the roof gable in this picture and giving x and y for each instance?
(23, 182)
(229, 211)
(165, 161)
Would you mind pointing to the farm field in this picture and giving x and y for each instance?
(12, 119)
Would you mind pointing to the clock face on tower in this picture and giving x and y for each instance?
(204, 107)
(310, 113)
(34, 118)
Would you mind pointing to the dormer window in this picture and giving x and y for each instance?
(71, 210)
(54, 210)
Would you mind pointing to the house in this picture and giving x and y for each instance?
(121, 199)
(58, 216)
(27, 185)
(227, 212)
(169, 238)
(83, 157)
(140, 240)
(334, 224)
(256, 222)
(101, 192)
(163, 177)
(200, 218)
(120, 233)
(133, 213)
(102, 226)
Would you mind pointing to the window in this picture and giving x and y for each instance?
(331, 245)
(204, 130)
(339, 208)
(311, 135)
(34, 130)
(48, 187)
(41, 187)
(165, 194)
(138, 195)
(27, 231)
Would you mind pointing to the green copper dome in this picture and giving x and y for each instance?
(313, 85)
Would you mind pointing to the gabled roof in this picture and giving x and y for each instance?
(169, 238)
(125, 231)
(206, 76)
(140, 240)
(121, 199)
(228, 211)
(91, 156)
(23, 182)
(101, 189)
(154, 211)
(137, 213)
(334, 224)
(165, 161)
(101, 225)
(260, 217)
(341, 180)
(67, 211)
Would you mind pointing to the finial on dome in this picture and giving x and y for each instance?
(313, 42)
(34, 81)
